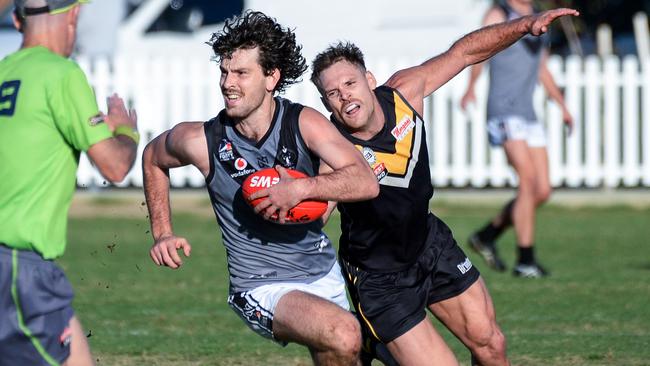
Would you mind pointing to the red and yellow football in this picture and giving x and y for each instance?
(304, 212)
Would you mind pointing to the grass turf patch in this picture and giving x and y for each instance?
(592, 310)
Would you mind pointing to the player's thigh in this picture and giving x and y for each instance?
(520, 158)
(257, 307)
(469, 315)
(79, 350)
(539, 157)
(421, 345)
(313, 321)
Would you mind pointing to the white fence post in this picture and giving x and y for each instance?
(479, 146)
(592, 122)
(460, 137)
(573, 170)
(612, 122)
(645, 120)
(631, 126)
(555, 138)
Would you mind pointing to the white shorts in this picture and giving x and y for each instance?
(501, 129)
(256, 307)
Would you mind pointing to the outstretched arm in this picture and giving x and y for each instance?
(183, 145)
(351, 178)
(417, 82)
(554, 92)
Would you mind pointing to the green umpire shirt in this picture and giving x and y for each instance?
(46, 106)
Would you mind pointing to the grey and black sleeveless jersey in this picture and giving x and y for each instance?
(513, 76)
(260, 252)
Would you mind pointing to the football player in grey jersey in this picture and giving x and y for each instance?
(512, 124)
(285, 282)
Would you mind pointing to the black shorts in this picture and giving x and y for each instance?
(390, 304)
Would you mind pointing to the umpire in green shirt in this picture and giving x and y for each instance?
(48, 115)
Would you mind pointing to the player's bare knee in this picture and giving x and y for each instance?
(527, 184)
(498, 343)
(487, 336)
(346, 337)
(543, 194)
(491, 350)
(496, 348)
(480, 337)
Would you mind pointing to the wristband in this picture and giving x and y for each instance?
(127, 131)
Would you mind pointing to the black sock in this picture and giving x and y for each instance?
(526, 255)
(489, 233)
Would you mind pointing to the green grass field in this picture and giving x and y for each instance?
(593, 310)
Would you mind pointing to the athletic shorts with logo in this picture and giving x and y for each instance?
(390, 304)
(35, 317)
(502, 129)
(257, 306)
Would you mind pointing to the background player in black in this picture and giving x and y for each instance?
(392, 288)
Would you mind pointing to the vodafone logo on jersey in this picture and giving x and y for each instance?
(241, 164)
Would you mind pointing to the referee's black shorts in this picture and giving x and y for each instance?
(390, 304)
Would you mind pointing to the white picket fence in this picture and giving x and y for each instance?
(609, 99)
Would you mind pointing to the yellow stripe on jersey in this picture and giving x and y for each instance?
(398, 162)
(408, 135)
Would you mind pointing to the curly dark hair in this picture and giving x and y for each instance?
(342, 51)
(277, 46)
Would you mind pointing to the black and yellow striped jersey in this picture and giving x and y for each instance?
(387, 233)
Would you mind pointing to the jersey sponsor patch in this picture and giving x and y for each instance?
(369, 155)
(403, 128)
(241, 164)
(380, 171)
(225, 151)
(242, 173)
(378, 168)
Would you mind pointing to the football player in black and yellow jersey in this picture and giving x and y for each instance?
(398, 258)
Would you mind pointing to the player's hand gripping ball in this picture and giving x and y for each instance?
(304, 212)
